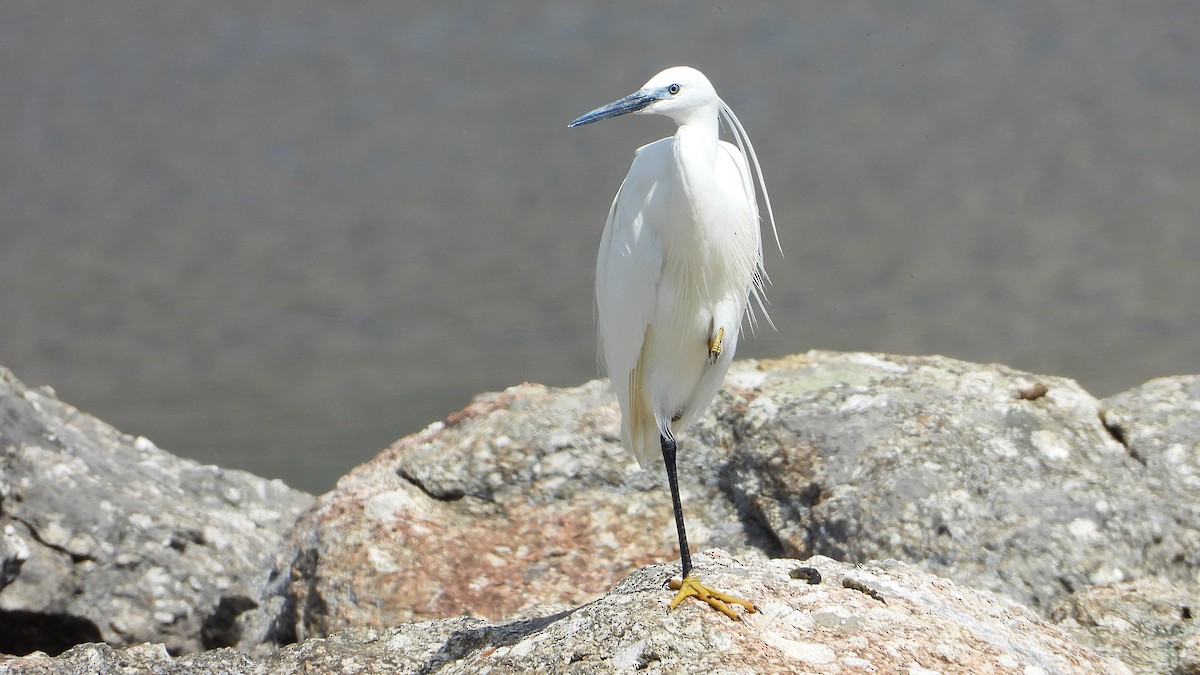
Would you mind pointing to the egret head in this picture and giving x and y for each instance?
(686, 96)
(681, 93)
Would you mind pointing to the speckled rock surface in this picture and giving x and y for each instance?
(998, 479)
(522, 498)
(1149, 624)
(106, 537)
(880, 618)
(1007, 481)
(1160, 423)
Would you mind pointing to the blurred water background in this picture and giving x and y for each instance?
(279, 235)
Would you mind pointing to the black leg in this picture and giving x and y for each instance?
(668, 451)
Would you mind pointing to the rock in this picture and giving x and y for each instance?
(998, 479)
(883, 618)
(1189, 656)
(524, 505)
(13, 554)
(1148, 624)
(1159, 422)
(1002, 480)
(522, 498)
(106, 537)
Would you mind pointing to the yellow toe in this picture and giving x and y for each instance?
(692, 587)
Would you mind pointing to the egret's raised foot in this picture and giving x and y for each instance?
(691, 587)
(714, 345)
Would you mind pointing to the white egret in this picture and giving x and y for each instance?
(680, 257)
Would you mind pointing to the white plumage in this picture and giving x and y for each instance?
(680, 255)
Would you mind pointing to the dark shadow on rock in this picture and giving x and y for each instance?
(759, 533)
(23, 632)
(284, 628)
(221, 628)
(463, 642)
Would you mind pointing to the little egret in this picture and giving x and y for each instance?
(680, 257)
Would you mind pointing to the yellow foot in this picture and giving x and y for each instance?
(714, 345)
(691, 587)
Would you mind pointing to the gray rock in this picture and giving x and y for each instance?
(998, 479)
(106, 537)
(1149, 624)
(1189, 656)
(1008, 481)
(1159, 422)
(885, 618)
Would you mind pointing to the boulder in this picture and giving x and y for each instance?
(1012, 482)
(814, 616)
(105, 537)
(1159, 424)
(524, 497)
(1001, 480)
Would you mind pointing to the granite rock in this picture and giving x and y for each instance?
(1007, 481)
(105, 537)
(1001, 480)
(473, 542)
(524, 497)
(1150, 624)
(879, 618)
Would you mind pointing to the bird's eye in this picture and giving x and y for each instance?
(673, 89)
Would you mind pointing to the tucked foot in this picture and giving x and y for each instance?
(691, 587)
(714, 345)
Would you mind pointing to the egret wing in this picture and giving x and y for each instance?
(628, 269)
